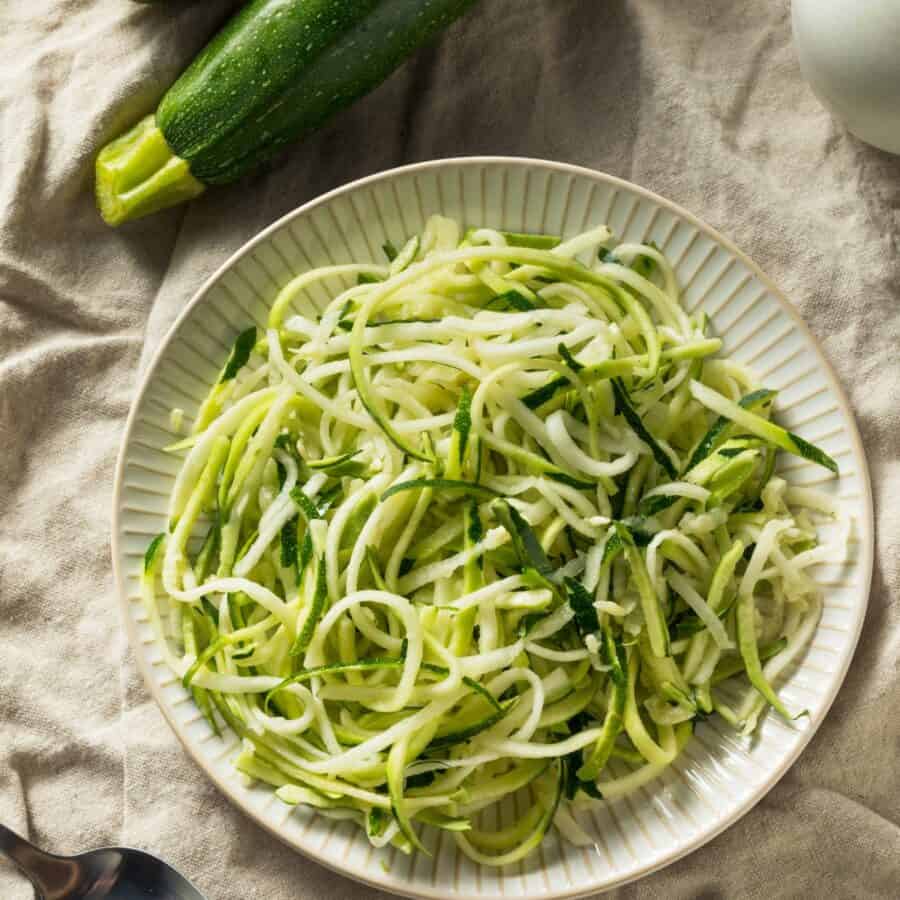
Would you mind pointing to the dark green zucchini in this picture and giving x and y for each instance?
(275, 72)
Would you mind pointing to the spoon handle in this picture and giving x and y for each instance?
(53, 877)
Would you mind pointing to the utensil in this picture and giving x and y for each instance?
(719, 777)
(111, 873)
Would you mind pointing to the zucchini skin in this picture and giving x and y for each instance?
(280, 68)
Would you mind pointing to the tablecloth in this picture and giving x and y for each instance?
(700, 101)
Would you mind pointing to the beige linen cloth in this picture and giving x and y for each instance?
(701, 101)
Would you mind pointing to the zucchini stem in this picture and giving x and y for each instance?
(138, 174)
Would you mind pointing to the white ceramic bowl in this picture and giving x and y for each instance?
(719, 777)
(849, 52)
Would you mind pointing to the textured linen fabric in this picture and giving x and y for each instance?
(702, 102)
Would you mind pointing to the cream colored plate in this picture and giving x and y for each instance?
(720, 776)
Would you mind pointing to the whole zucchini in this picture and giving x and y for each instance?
(276, 71)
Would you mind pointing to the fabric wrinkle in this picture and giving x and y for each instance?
(701, 102)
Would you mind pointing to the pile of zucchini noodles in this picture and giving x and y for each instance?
(482, 520)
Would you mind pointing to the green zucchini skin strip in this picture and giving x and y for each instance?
(718, 431)
(305, 505)
(441, 484)
(320, 595)
(651, 506)
(634, 420)
(525, 543)
(240, 354)
(511, 300)
(473, 578)
(768, 431)
(219, 644)
(614, 655)
(389, 250)
(613, 724)
(459, 437)
(463, 735)
(583, 606)
(150, 553)
(338, 466)
(538, 397)
(613, 547)
(657, 631)
(290, 552)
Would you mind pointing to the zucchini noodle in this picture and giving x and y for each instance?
(485, 518)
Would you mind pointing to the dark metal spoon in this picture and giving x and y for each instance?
(112, 873)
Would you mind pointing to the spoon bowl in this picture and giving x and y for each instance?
(110, 873)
